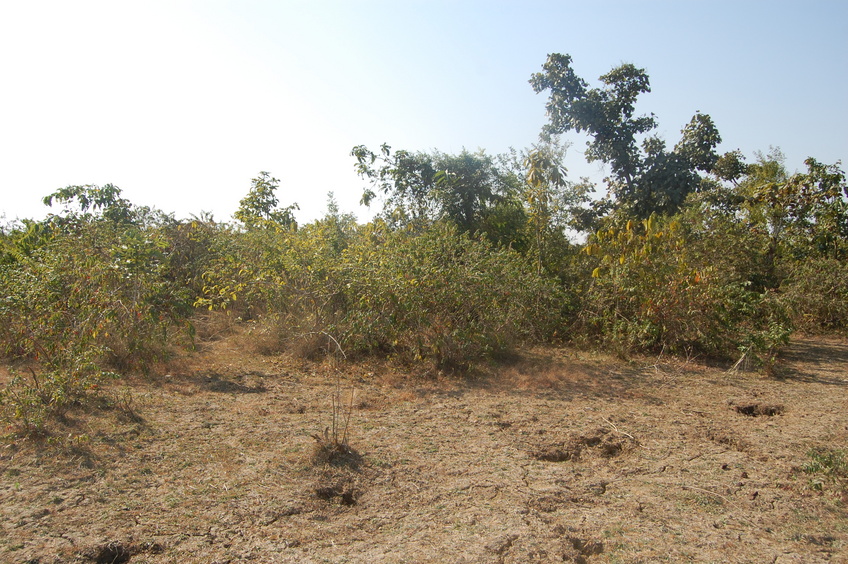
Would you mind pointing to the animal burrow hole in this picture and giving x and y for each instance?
(601, 443)
(759, 410)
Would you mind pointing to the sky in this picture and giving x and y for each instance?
(181, 103)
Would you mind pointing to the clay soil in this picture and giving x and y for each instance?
(555, 455)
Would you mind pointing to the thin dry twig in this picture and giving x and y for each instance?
(735, 368)
(617, 430)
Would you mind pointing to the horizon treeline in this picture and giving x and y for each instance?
(690, 253)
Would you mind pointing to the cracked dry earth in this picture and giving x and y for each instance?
(555, 456)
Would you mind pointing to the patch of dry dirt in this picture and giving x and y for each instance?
(556, 456)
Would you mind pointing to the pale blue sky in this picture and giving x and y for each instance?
(182, 103)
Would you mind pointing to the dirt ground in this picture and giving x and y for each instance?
(556, 455)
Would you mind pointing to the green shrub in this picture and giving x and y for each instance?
(442, 296)
(285, 280)
(827, 465)
(28, 401)
(190, 248)
(650, 293)
(438, 295)
(91, 300)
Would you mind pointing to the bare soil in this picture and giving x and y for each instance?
(556, 455)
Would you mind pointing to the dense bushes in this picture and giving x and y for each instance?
(438, 295)
(91, 300)
(451, 298)
(106, 288)
(816, 293)
(651, 290)
(442, 296)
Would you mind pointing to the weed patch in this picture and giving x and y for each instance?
(827, 466)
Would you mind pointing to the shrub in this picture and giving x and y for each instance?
(816, 293)
(285, 279)
(438, 295)
(443, 296)
(649, 293)
(828, 465)
(91, 299)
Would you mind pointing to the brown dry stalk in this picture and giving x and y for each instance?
(616, 429)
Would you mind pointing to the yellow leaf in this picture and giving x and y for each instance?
(596, 273)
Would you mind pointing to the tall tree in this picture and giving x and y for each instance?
(647, 179)
(546, 179)
(88, 202)
(405, 180)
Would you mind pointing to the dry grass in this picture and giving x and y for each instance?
(555, 456)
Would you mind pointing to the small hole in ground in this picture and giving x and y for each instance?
(758, 409)
(112, 553)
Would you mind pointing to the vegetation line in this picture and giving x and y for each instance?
(689, 253)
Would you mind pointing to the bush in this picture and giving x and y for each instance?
(91, 299)
(442, 296)
(284, 279)
(828, 465)
(649, 293)
(438, 295)
(816, 293)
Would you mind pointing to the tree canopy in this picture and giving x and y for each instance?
(646, 177)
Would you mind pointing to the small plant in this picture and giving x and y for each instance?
(827, 465)
(331, 446)
(122, 400)
(27, 403)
